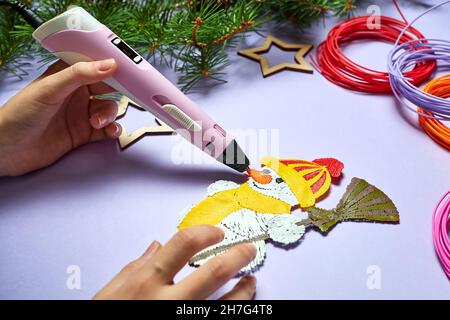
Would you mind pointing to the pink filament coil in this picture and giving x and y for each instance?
(441, 226)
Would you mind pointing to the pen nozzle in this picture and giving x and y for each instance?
(234, 157)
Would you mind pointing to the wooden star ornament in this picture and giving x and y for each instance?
(257, 54)
(126, 139)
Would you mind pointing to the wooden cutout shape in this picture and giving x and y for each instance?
(126, 140)
(256, 54)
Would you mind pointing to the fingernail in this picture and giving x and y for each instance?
(117, 130)
(221, 232)
(105, 65)
(152, 249)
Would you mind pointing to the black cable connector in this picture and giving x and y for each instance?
(28, 15)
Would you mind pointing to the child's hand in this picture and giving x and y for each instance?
(56, 114)
(151, 276)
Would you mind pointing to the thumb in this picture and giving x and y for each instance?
(58, 86)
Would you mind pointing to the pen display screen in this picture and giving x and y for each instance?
(127, 50)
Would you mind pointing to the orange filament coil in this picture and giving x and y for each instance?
(439, 132)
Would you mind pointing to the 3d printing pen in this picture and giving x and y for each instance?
(76, 36)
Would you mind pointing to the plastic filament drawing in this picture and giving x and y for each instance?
(261, 209)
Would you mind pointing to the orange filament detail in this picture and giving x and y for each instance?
(259, 177)
(438, 131)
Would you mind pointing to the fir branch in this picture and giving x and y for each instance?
(343, 8)
(243, 27)
(206, 31)
(11, 49)
(193, 36)
(202, 64)
(303, 12)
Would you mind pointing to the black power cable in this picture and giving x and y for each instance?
(28, 15)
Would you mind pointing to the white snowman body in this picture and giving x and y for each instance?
(248, 226)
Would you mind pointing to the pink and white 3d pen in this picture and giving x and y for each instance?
(76, 36)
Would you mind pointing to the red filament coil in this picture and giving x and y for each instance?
(339, 69)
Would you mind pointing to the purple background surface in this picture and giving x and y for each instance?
(99, 208)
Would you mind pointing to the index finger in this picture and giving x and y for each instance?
(95, 89)
(172, 257)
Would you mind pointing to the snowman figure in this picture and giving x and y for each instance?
(260, 209)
